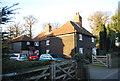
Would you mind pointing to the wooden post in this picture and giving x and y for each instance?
(53, 71)
(92, 59)
(109, 61)
(76, 70)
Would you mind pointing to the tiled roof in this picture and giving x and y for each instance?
(65, 29)
(81, 30)
(21, 38)
(69, 27)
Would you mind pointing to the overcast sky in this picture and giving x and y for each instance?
(60, 11)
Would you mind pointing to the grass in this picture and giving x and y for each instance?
(9, 66)
(98, 64)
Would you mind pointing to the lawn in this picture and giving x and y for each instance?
(9, 66)
(98, 64)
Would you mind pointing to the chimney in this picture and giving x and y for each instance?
(48, 28)
(78, 19)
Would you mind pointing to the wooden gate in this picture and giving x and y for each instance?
(57, 70)
(102, 60)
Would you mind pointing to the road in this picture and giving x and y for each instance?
(104, 73)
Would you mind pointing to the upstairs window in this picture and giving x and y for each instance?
(47, 42)
(93, 40)
(28, 43)
(47, 51)
(81, 50)
(94, 51)
(80, 37)
(36, 43)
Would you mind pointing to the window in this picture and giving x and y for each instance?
(36, 43)
(28, 43)
(81, 50)
(47, 42)
(47, 51)
(94, 51)
(93, 40)
(80, 36)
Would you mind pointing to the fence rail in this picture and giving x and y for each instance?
(105, 60)
(57, 70)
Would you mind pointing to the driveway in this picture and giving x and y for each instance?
(102, 73)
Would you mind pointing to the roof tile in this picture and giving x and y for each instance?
(21, 38)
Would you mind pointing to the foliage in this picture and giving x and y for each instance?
(80, 58)
(5, 46)
(114, 22)
(102, 40)
(95, 21)
(6, 12)
(105, 31)
(12, 65)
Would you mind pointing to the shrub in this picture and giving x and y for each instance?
(80, 58)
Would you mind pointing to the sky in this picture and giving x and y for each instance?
(59, 11)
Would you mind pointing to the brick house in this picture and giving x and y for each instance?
(68, 39)
(22, 44)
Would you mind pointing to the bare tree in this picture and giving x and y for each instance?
(30, 20)
(54, 25)
(15, 30)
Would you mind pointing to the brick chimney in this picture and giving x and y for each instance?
(48, 28)
(78, 19)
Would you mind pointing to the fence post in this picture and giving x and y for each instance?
(92, 59)
(53, 71)
(109, 61)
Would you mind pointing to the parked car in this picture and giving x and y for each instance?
(19, 57)
(33, 56)
(50, 57)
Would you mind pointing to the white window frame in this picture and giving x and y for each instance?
(80, 37)
(47, 42)
(28, 43)
(94, 52)
(93, 40)
(36, 43)
(81, 50)
(47, 51)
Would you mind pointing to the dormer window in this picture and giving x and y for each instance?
(80, 36)
(28, 43)
(93, 40)
(47, 42)
(36, 43)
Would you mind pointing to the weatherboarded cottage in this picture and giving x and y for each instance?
(22, 44)
(68, 39)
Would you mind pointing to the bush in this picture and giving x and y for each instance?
(9, 66)
(81, 58)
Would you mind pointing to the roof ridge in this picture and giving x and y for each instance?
(18, 36)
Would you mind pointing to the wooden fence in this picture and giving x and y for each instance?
(104, 60)
(57, 70)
